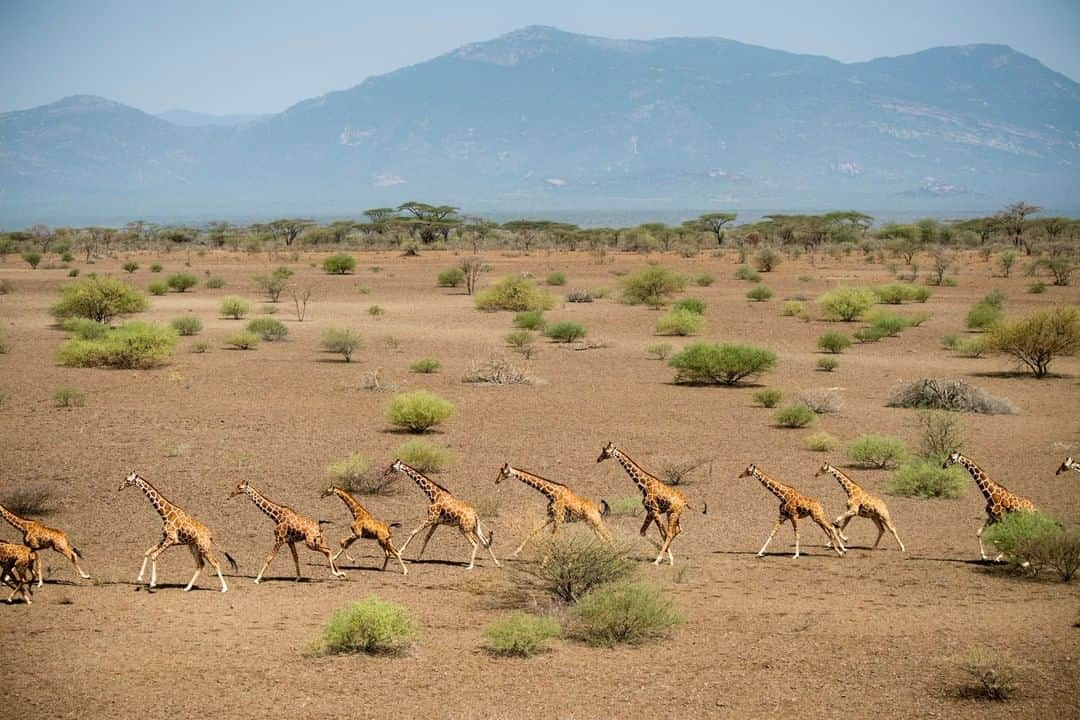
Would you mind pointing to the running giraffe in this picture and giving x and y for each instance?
(178, 528)
(564, 505)
(39, 537)
(445, 509)
(1068, 465)
(366, 526)
(290, 527)
(998, 498)
(657, 498)
(16, 569)
(860, 503)
(793, 506)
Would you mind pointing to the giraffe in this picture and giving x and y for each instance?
(16, 569)
(39, 537)
(366, 526)
(998, 498)
(445, 509)
(793, 506)
(178, 528)
(290, 527)
(658, 499)
(564, 505)
(860, 503)
(1069, 464)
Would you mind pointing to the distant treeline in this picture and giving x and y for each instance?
(413, 226)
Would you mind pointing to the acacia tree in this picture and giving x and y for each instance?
(285, 229)
(431, 221)
(712, 222)
(1013, 219)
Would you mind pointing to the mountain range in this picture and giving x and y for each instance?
(541, 119)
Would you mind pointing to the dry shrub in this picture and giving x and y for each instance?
(497, 370)
(679, 472)
(821, 400)
(29, 501)
(948, 394)
(373, 380)
(571, 565)
(990, 676)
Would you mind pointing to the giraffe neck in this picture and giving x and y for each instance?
(986, 485)
(545, 487)
(430, 488)
(845, 482)
(272, 509)
(17, 522)
(350, 502)
(778, 489)
(158, 500)
(639, 476)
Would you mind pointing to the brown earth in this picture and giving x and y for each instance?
(873, 634)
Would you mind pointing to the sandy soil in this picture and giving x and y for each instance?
(867, 635)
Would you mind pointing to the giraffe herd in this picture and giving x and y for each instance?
(20, 565)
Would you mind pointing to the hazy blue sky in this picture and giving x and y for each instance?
(262, 56)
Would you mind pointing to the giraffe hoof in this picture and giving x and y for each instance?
(225, 589)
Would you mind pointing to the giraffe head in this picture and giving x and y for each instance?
(129, 480)
(241, 488)
(750, 470)
(951, 460)
(1064, 467)
(396, 466)
(825, 467)
(607, 452)
(504, 473)
(329, 491)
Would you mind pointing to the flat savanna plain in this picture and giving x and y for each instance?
(874, 633)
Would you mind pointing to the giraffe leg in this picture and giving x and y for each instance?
(345, 544)
(329, 556)
(154, 552)
(389, 549)
(648, 521)
(892, 529)
(69, 553)
(880, 531)
(209, 555)
(487, 545)
(795, 527)
(840, 523)
(978, 536)
(475, 546)
(761, 552)
(37, 571)
(833, 534)
(413, 534)
(199, 564)
(269, 558)
(600, 529)
(427, 539)
(536, 531)
(296, 561)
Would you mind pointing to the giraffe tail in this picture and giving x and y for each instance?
(77, 551)
(326, 522)
(232, 563)
(394, 524)
(605, 509)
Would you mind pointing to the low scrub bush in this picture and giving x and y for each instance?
(972, 347)
(927, 479)
(1034, 341)
(426, 366)
(984, 316)
(690, 304)
(339, 264)
(767, 259)
(514, 293)
(497, 370)
(274, 283)
(988, 675)
(32, 258)
(827, 364)
(846, 304)
(942, 434)
(268, 329)
(579, 296)
(355, 474)
(1037, 288)
(132, 345)
(32, 501)
(876, 451)
(680, 322)
(565, 331)
(520, 635)
(214, 283)
(68, 398)
(796, 415)
(720, 363)
(182, 282)
(187, 325)
(888, 324)
(156, 267)
(793, 308)
(759, 293)
(372, 626)
(821, 442)
(200, 347)
(833, 342)
(341, 341)
(556, 278)
(530, 320)
(451, 277)
(745, 272)
(157, 288)
(573, 565)
(130, 266)
(870, 334)
(98, 298)
(242, 340)
(704, 279)
(947, 394)
(85, 329)
(418, 411)
(659, 351)
(375, 311)
(623, 612)
(425, 456)
(896, 293)
(522, 342)
(652, 286)
(1017, 529)
(768, 397)
(234, 307)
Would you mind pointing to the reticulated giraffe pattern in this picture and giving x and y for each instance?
(17, 570)
(999, 500)
(366, 526)
(862, 504)
(178, 528)
(1067, 465)
(564, 505)
(40, 537)
(794, 506)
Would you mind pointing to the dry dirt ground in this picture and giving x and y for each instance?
(872, 634)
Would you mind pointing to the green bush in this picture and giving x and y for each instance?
(846, 304)
(530, 320)
(768, 397)
(565, 331)
(130, 266)
(200, 347)
(274, 283)
(652, 286)
(821, 442)
(888, 324)
(659, 351)
(68, 397)
(85, 329)
(214, 283)
(792, 308)
(1037, 288)
(704, 279)
(984, 316)
(98, 298)
(796, 415)
(720, 363)
(234, 307)
(572, 565)
(896, 293)
(1019, 529)
(623, 612)
(870, 334)
(745, 272)
(32, 258)
(158, 287)
(927, 479)
(73, 273)
(342, 341)
(514, 293)
(187, 325)
(375, 311)
(1034, 341)
(556, 278)
(827, 364)
(520, 635)
(268, 329)
(425, 456)
(833, 342)
(182, 282)
(690, 304)
(426, 366)
(132, 345)
(373, 626)
(766, 259)
(156, 268)
(418, 411)
(356, 475)
(876, 451)
(243, 340)
(339, 264)
(522, 341)
(680, 322)
(451, 277)
(759, 293)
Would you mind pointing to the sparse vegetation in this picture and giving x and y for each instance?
(947, 394)
(32, 258)
(821, 442)
(156, 268)
(652, 286)
(565, 331)
(425, 456)
(623, 612)
(659, 351)
(182, 282)
(579, 296)
(85, 329)
(268, 329)
(704, 279)
(833, 342)
(187, 325)
(497, 370)
(876, 451)
(925, 478)
(520, 635)
(234, 307)
(522, 342)
(720, 363)
(690, 304)
(242, 340)
(766, 259)
(132, 345)
(759, 293)
(98, 298)
(356, 475)
(990, 676)
(793, 308)
(68, 398)
(796, 415)
(680, 322)
(827, 364)
(768, 397)
(451, 277)
(130, 266)
(556, 278)
(426, 366)
(747, 273)
(573, 565)
(339, 264)
(29, 501)
(530, 320)
(342, 341)
(157, 288)
(274, 283)
(1034, 341)
(514, 293)
(214, 282)
(418, 411)
(372, 626)
(846, 304)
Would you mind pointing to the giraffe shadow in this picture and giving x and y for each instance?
(446, 563)
(778, 553)
(959, 561)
